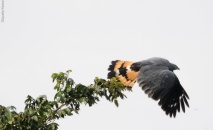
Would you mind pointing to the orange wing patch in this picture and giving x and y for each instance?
(132, 75)
(118, 64)
(126, 82)
(122, 70)
(127, 63)
(132, 83)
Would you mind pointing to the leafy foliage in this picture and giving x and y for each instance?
(40, 113)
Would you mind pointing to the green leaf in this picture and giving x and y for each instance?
(68, 71)
(61, 76)
(30, 111)
(53, 126)
(58, 95)
(12, 108)
(68, 111)
(57, 87)
(70, 81)
(80, 87)
(63, 112)
(54, 76)
(43, 96)
(35, 118)
(29, 99)
(68, 89)
(7, 113)
(10, 122)
(116, 102)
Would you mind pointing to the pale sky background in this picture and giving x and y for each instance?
(40, 37)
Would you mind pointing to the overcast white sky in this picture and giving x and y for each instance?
(40, 37)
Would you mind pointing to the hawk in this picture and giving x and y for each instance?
(156, 78)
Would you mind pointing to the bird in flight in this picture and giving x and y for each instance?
(156, 78)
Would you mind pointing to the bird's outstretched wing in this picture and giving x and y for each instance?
(163, 85)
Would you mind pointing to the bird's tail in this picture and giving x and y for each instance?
(124, 72)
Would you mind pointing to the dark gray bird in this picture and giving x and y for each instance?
(156, 78)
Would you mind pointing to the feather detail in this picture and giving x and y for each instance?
(123, 72)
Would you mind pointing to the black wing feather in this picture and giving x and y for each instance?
(163, 85)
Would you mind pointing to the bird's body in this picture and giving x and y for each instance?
(156, 77)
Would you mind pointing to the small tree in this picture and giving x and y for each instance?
(40, 113)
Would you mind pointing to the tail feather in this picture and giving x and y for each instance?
(112, 66)
(132, 75)
(118, 65)
(123, 71)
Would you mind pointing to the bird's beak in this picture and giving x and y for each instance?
(176, 67)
